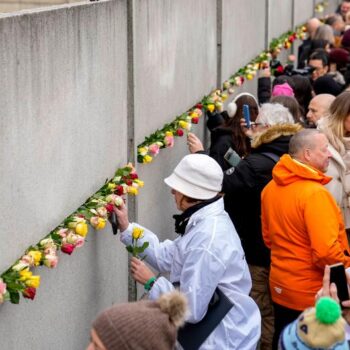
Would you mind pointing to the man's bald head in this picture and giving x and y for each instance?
(312, 25)
(319, 107)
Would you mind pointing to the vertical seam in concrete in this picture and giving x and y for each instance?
(293, 23)
(219, 42)
(131, 123)
(267, 18)
(313, 8)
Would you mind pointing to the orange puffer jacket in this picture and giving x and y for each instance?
(303, 227)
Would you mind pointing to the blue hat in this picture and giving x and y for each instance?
(321, 327)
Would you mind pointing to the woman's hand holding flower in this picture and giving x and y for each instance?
(122, 215)
(140, 271)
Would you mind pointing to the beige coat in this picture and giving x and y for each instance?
(340, 185)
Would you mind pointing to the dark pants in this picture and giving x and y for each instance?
(283, 316)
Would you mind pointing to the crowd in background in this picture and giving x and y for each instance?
(283, 179)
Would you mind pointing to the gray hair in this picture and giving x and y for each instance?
(301, 140)
(274, 113)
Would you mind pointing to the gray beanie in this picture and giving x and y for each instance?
(142, 325)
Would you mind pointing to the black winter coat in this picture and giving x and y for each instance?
(244, 185)
(220, 142)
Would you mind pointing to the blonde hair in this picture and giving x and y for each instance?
(333, 125)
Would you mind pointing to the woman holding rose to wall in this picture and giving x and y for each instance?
(206, 259)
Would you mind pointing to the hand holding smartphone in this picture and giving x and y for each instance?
(246, 114)
(338, 277)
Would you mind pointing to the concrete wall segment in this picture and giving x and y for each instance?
(243, 35)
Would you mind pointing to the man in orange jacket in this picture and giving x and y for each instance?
(302, 225)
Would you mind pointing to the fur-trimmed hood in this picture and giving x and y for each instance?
(274, 132)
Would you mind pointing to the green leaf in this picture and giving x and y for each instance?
(129, 248)
(14, 297)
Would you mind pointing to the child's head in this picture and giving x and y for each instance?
(320, 327)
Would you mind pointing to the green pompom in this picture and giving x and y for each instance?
(327, 310)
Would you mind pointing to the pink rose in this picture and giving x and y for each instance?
(153, 149)
(62, 232)
(51, 260)
(27, 259)
(169, 141)
(79, 242)
(29, 293)
(67, 248)
(2, 287)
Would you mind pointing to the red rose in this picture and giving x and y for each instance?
(67, 248)
(195, 120)
(291, 38)
(133, 176)
(199, 105)
(280, 69)
(110, 208)
(128, 182)
(29, 293)
(179, 132)
(119, 190)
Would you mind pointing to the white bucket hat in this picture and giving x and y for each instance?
(197, 176)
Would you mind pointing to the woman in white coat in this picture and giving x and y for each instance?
(336, 127)
(207, 255)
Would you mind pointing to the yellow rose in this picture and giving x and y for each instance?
(36, 255)
(142, 151)
(194, 115)
(33, 281)
(137, 232)
(224, 97)
(133, 190)
(81, 229)
(25, 274)
(184, 125)
(211, 108)
(169, 133)
(111, 186)
(249, 76)
(147, 159)
(101, 224)
(139, 182)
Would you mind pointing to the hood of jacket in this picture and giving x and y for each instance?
(274, 132)
(220, 132)
(289, 170)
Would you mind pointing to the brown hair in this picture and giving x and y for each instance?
(241, 143)
(289, 102)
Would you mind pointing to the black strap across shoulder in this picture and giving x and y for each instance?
(192, 335)
(272, 156)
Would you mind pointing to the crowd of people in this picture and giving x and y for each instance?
(264, 212)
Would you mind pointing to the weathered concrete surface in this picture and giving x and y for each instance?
(303, 10)
(280, 17)
(241, 42)
(63, 132)
(175, 66)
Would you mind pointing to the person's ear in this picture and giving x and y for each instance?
(326, 68)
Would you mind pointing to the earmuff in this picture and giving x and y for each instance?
(232, 106)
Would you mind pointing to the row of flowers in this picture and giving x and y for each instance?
(164, 138)
(68, 236)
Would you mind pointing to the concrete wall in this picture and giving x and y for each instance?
(68, 73)
(63, 132)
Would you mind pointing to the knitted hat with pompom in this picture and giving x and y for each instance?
(142, 325)
(320, 327)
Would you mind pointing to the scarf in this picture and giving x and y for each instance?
(181, 220)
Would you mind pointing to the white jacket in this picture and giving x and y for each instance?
(337, 187)
(208, 255)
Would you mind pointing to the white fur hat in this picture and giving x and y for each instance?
(232, 106)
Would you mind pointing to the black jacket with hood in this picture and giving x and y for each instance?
(243, 185)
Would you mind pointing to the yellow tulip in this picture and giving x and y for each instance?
(36, 255)
(137, 232)
(147, 159)
(33, 281)
(81, 229)
(211, 108)
(139, 182)
(133, 190)
(101, 224)
(25, 274)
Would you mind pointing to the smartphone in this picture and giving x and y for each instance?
(232, 157)
(114, 222)
(246, 114)
(338, 277)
